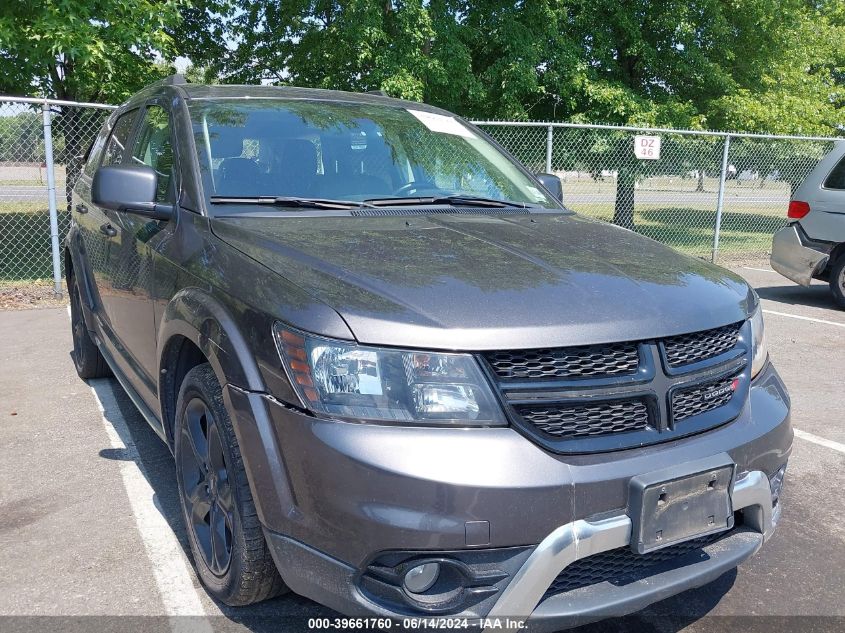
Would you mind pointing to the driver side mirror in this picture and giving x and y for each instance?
(553, 184)
(129, 189)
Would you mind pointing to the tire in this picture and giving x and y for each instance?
(228, 547)
(837, 281)
(87, 358)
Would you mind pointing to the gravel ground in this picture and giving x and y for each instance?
(29, 295)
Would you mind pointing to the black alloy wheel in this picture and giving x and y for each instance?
(208, 490)
(227, 541)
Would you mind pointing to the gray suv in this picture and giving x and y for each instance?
(400, 378)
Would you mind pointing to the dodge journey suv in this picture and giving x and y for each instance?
(400, 378)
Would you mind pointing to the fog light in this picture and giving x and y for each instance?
(421, 578)
(776, 484)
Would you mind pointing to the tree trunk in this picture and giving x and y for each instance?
(71, 130)
(623, 211)
(700, 186)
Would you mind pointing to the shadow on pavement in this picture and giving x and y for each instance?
(816, 296)
(288, 612)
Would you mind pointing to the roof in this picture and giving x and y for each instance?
(189, 92)
(200, 91)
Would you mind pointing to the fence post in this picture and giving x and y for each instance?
(721, 199)
(549, 141)
(51, 200)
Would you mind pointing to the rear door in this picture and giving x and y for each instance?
(824, 191)
(95, 228)
(129, 304)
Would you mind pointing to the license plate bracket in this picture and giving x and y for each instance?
(681, 503)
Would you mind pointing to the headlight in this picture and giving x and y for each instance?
(345, 380)
(759, 351)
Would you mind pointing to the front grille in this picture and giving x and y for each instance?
(622, 564)
(622, 395)
(615, 359)
(692, 348)
(701, 398)
(590, 419)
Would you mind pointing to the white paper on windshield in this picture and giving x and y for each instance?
(535, 193)
(442, 123)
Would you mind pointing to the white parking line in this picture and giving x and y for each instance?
(804, 318)
(815, 439)
(171, 569)
(762, 270)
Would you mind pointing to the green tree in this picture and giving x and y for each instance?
(21, 138)
(760, 65)
(346, 45)
(84, 50)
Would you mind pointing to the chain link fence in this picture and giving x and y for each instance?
(709, 194)
(26, 245)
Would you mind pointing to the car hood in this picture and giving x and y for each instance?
(476, 282)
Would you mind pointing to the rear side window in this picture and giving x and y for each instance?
(153, 148)
(836, 178)
(118, 139)
(96, 152)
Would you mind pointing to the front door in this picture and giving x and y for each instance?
(96, 224)
(129, 304)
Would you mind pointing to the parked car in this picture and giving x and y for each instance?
(400, 378)
(812, 246)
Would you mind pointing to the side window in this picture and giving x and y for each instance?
(118, 139)
(836, 178)
(96, 151)
(153, 148)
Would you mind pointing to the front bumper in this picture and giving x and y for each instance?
(333, 583)
(335, 496)
(795, 259)
(580, 539)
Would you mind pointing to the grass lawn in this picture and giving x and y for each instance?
(25, 240)
(746, 230)
(25, 206)
(739, 188)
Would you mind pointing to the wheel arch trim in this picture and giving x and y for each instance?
(195, 315)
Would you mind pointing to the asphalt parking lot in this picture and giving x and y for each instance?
(90, 525)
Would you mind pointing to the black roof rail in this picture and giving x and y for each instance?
(380, 93)
(172, 80)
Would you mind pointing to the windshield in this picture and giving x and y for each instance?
(349, 151)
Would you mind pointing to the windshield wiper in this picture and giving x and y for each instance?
(456, 200)
(290, 201)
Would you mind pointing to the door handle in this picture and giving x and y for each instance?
(108, 229)
(81, 208)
